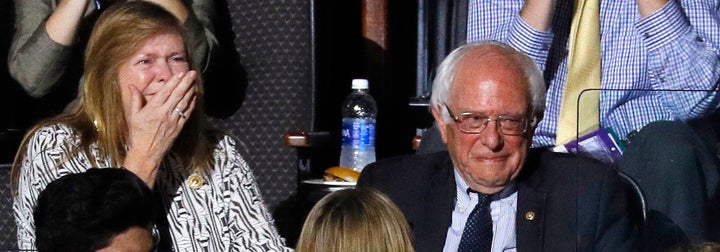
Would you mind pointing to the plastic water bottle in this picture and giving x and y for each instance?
(358, 127)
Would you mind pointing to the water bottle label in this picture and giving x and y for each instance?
(360, 132)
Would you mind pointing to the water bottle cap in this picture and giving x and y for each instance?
(359, 84)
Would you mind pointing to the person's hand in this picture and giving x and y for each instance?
(154, 126)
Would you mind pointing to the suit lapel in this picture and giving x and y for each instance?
(440, 202)
(530, 219)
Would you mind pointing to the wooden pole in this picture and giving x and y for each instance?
(374, 21)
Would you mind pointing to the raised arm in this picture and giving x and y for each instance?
(43, 40)
(63, 24)
(45, 35)
(538, 14)
(523, 25)
(683, 44)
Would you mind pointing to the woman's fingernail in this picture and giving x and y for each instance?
(180, 75)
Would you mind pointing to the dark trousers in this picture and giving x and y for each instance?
(678, 173)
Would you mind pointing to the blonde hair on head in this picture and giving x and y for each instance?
(120, 32)
(359, 219)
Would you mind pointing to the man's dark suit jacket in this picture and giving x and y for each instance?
(578, 204)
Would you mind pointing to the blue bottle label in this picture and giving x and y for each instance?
(360, 132)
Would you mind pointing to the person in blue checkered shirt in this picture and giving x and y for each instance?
(660, 69)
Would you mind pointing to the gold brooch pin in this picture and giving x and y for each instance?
(195, 181)
(530, 215)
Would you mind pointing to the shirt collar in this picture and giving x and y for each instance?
(461, 186)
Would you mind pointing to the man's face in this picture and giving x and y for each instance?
(487, 161)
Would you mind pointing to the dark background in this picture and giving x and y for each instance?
(16, 112)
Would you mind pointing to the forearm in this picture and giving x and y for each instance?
(39, 63)
(144, 165)
(503, 21)
(63, 24)
(539, 14)
(531, 33)
(35, 60)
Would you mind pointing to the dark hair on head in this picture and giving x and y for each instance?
(84, 211)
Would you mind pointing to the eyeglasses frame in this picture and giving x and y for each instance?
(497, 119)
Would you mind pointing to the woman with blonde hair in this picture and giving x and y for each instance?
(355, 220)
(141, 110)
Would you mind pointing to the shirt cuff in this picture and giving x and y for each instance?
(663, 26)
(527, 39)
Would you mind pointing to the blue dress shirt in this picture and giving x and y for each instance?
(655, 68)
(502, 212)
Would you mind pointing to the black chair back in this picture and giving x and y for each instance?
(8, 237)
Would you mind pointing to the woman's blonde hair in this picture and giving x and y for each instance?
(98, 117)
(355, 220)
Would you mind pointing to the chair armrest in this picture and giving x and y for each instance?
(416, 142)
(306, 139)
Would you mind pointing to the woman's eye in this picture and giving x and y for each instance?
(143, 62)
(179, 59)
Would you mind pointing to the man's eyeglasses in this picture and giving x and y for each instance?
(473, 123)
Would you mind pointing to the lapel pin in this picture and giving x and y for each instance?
(195, 181)
(530, 215)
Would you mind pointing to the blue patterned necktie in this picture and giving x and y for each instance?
(477, 235)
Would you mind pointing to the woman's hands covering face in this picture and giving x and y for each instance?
(154, 125)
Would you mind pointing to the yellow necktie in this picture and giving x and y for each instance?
(583, 73)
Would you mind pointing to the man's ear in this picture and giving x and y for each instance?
(533, 124)
(440, 123)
